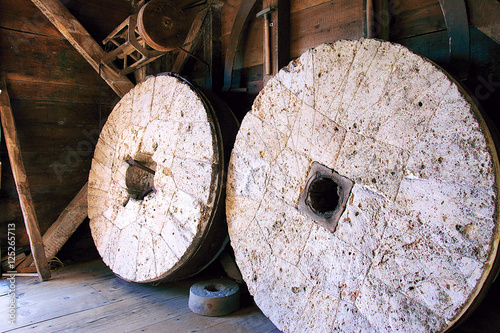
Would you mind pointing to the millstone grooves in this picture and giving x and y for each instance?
(419, 233)
(170, 231)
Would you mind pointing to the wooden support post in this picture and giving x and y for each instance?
(383, 19)
(191, 43)
(280, 35)
(212, 48)
(234, 40)
(81, 40)
(370, 19)
(377, 19)
(22, 185)
(457, 24)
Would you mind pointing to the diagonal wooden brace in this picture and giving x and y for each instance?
(22, 185)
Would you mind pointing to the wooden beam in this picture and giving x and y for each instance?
(81, 40)
(191, 42)
(62, 229)
(234, 39)
(22, 185)
(370, 19)
(212, 48)
(280, 35)
(377, 19)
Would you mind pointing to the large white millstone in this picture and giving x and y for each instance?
(167, 125)
(416, 242)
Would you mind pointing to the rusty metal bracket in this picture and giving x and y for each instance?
(130, 161)
(457, 23)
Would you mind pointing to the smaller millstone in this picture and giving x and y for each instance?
(213, 298)
(156, 182)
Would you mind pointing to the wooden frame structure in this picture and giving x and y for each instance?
(22, 184)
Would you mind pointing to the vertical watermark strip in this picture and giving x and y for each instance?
(11, 262)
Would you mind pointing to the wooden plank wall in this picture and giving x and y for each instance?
(55, 100)
(420, 25)
(312, 22)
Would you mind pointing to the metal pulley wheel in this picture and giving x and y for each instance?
(155, 197)
(162, 25)
(363, 194)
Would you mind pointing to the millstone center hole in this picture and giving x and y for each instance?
(140, 182)
(323, 196)
(213, 288)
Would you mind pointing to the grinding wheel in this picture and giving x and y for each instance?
(362, 194)
(166, 224)
(162, 25)
(214, 298)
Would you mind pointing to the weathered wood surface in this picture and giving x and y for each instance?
(65, 225)
(89, 297)
(311, 23)
(165, 124)
(76, 34)
(484, 15)
(413, 18)
(33, 60)
(191, 42)
(418, 238)
(22, 184)
(326, 22)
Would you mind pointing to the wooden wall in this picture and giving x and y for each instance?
(312, 22)
(55, 100)
(420, 25)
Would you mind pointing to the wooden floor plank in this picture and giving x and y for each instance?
(131, 314)
(89, 297)
(32, 308)
(62, 279)
(246, 320)
(117, 289)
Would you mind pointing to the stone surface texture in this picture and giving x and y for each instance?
(164, 124)
(418, 237)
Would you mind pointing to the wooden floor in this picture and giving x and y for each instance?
(90, 298)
